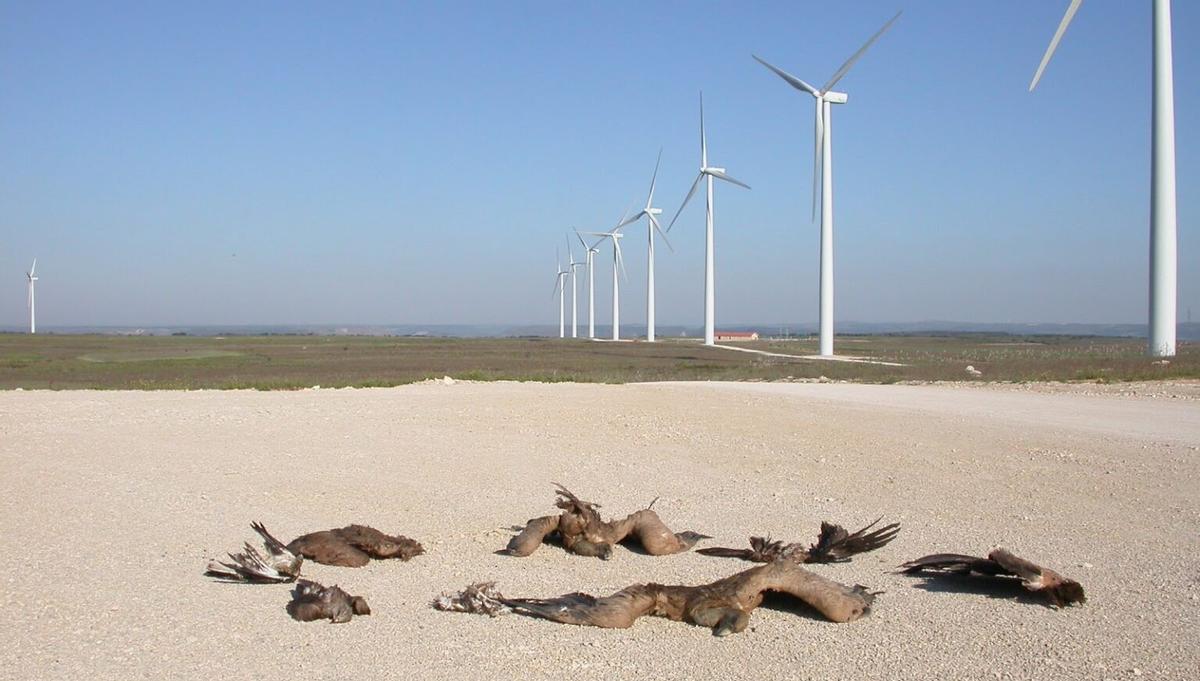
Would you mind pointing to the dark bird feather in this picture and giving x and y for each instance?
(353, 546)
(1003, 566)
(312, 601)
(834, 545)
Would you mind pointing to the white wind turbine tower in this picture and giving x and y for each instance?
(31, 275)
(823, 167)
(707, 172)
(652, 225)
(590, 259)
(618, 262)
(571, 268)
(1163, 238)
(560, 279)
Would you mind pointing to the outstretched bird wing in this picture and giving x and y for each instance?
(762, 550)
(618, 611)
(725, 605)
(653, 534)
(531, 537)
(1055, 588)
(248, 566)
(275, 548)
(279, 565)
(833, 545)
(837, 602)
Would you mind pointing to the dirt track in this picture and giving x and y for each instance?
(114, 501)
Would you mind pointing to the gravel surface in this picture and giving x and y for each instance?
(113, 502)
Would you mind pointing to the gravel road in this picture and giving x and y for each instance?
(113, 502)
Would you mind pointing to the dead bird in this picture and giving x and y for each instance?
(353, 546)
(481, 598)
(312, 601)
(279, 565)
(724, 605)
(582, 531)
(1003, 566)
(834, 545)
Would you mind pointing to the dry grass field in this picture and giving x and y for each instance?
(290, 362)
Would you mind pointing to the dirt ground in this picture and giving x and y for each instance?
(114, 501)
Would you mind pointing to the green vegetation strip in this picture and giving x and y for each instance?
(292, 362)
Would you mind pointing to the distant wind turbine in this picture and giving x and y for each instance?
(31, 275)
(571, 268)
(559, 281)
(1163, 235)
(590, 259)
(652, 226)
(618, 262)
(707, 172)
(823, 168)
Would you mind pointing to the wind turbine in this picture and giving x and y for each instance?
(591, 252)
(651, 226)
(618, 261)
(823, 167)
(559, 281)
(571, 268)
(707, 172)
(1163, 237)
(32, 277)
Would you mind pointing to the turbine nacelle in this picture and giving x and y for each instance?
(650, 212)
(705, 169)
(834, 97)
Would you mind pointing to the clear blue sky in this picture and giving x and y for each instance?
(370, 163)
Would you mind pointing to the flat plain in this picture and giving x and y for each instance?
(113, 501)
(290, 362)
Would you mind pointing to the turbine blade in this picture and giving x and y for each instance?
(722, 176)
(703, 141)
(625, 215)
(654, 179)
(1062, 28)
(630, 220)
(581, 241)
(620, 258)
(657, 227)
(33, 270)
(685, 200)
(818, 155)
(792, 80)
(862, 50)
